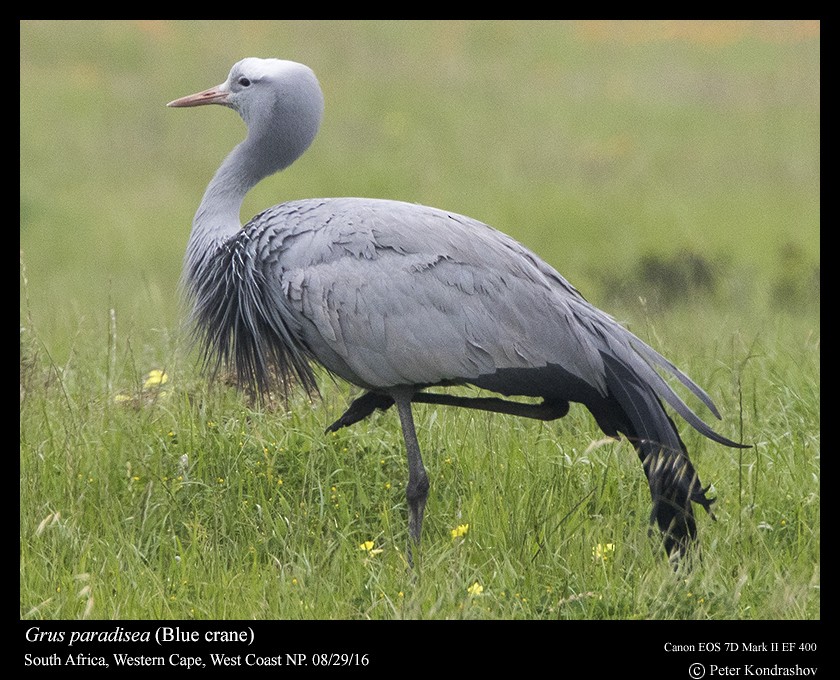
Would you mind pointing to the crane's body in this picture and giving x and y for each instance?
(397, 297)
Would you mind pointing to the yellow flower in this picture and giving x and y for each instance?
(367, 546)
(460, 531)
(602, 551)
(155, 378)
(475, 589)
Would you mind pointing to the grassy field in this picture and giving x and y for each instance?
(670, 170)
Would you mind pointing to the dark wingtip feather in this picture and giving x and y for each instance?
(674, 483)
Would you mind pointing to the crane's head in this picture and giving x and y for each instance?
(280, 101)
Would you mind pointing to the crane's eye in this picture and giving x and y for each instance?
(244, 82)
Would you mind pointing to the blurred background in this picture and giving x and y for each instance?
(664, 167)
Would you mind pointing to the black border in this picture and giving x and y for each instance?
(595, 649)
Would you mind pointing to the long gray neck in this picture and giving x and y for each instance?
(263, 152)
(280, 129)
(217, 217)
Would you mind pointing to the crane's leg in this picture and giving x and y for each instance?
(418, 481)
(362, 407)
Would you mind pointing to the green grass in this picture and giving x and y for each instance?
(637, 160)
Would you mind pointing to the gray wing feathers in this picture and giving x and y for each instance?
(389, 293)
(400, 314)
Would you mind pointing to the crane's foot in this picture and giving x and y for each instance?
(361, 408)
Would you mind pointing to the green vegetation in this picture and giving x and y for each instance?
(670, 171)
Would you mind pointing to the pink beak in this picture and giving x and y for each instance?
(215, 95)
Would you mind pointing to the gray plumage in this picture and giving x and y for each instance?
(396, 297)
